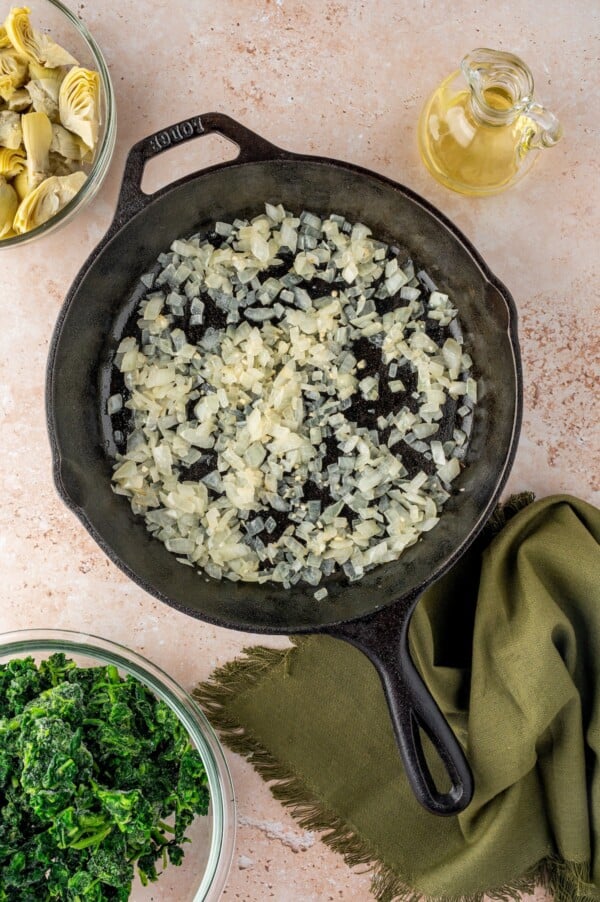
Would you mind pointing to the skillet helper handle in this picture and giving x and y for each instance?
(131, 197)
(412, 708)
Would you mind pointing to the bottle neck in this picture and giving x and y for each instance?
(493, 106)
(501, 85)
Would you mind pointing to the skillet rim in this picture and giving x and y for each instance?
(122, 219)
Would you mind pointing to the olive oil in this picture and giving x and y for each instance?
(478, 127)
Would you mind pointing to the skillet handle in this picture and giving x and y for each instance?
(412, 708)
(131, 197)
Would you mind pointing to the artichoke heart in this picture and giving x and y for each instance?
(11, 133)
(37, 138)
(79, 104)
(40, 100)
(12, 162)
(13, 72)
(44, 88)
(46, 200)
(4, 38)
(19, 101)
(21, 184)
(34, 45)
(8, 207)
(61, 166)
(50, 79)
(68, 145)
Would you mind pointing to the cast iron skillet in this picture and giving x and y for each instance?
(373, 613)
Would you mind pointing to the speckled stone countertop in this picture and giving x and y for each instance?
(346, 80)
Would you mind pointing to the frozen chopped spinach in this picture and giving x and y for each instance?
(98, 779)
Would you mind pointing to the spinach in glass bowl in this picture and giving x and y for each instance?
(112, 784)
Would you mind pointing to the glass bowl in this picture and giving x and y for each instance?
(63, 26)
(203, 873)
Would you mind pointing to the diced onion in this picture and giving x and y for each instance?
(267, 397)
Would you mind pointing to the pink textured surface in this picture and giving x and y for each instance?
(345, 80)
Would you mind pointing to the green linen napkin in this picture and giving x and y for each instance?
(509, 644)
